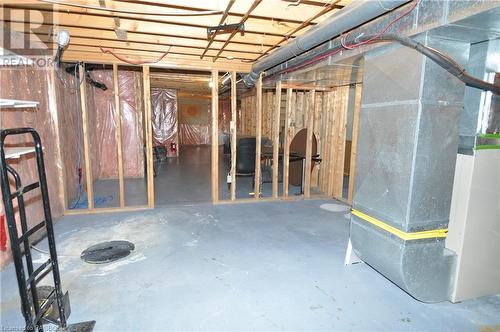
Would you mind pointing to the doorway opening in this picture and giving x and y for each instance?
(180, 107)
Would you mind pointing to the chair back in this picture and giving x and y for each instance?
(245, 156)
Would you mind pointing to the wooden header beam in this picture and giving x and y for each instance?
(167, 62)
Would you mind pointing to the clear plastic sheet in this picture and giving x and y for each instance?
(28, 83)
(164, 118)
(191, 134)
(224, 114)
(131, 109)
(194, 120)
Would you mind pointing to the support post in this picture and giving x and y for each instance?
(119, 148)
(258, 136)
(234, 127)
(310, 131)
(86, 144)
(149, 136)
(215, 137)
(354, 143)
(276, 137)
(287, 139)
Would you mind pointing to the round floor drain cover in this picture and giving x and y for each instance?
(106, 252)
(335, 207)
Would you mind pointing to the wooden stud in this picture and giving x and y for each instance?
(334, 143)
(310, 131)
(215, 136)
(276, 137)
(234, 127)
(354, 144)
(149, 136)
(287, 139)
(258, 136)
(339, 168)
(326, 144)
(293, 119)
(299, 112)
(53, 105)
(119, 148)
(105, 210)
(318, 104)
(86, 144)
(331, 126)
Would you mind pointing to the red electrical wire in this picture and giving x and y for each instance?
(345, 46)
(415, 4)
(130, 60)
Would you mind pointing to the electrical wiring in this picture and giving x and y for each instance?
(132, 61)
(441, 59)
(344, 45)
(383, 31)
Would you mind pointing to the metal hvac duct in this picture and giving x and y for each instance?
(349, 17)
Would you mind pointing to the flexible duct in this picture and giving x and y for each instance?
(357, 13)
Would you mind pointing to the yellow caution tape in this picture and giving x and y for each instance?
(399, 233)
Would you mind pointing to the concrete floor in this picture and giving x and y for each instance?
(186, 179)
(257, 266)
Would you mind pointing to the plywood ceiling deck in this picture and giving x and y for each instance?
(152, 27)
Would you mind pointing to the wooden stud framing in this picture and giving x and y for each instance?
(327, 142)
(119, 148)
(86, 144)
(234, 127)
(317, 122)
(149, 136)
(258, 136)
(287, 139)
(105, 210)
(310, 130)
(340, 152)
(276, 137)
(333, 142)
(215, 137)
(354, 144)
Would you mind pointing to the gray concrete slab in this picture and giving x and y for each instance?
(256, 266)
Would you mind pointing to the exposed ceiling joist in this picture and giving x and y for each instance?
(242, 21)
(136, 28)
(222, 19)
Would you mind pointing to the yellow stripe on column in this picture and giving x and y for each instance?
(436, 233)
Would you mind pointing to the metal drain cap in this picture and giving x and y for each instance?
(106, 252)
